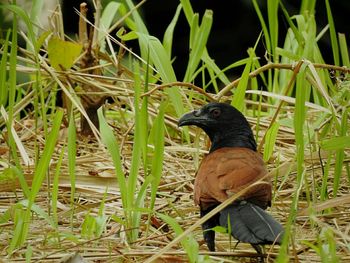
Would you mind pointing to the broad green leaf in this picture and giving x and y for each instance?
(62, 54)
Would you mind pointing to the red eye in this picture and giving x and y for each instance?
(215, 113)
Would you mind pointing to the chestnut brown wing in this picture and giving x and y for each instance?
(226, 171)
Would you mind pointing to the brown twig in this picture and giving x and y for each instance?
(181, 84)
(276, 66)
(234, 83)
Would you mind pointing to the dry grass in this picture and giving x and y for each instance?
(95, 174)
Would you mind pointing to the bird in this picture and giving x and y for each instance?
(231, 165)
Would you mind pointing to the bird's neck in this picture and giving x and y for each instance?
(232, 139)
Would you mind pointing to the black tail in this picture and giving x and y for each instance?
(251, 224)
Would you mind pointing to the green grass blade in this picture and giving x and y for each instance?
(144, 117)
(19, 225)
(263, 25)
(270, 141)
(35, 14)
(334, 41)
(110, 142)
(45, 159)
(135, 158)
(324, 186)
(336, 143)
(302, 89)
(186, 5)
(23, 15)
(54, 195)
(189, 243)
(141, 27)
(239, 93)
(307, 6)
(296, 32)
(272, 11)
(12, 85)
(344, 50)
(158, 56)
(158, 154)
(39, 211)
(169, 32)
(4, 90)
(29, 253)
(108, 14)
(199, 38)
(39, 175)
(72, 152)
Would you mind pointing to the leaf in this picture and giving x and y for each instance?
(344, 50)
(239, 93)
(62, 54)
(72, 152)
(169, 32)
(220, 229)
(270, 141)
(336, 143)
(198, 40)
(158, 154)
(126, 36)
(107, 17)
(41, 40)
(110, 142)
(39, 175)
(332, 32)
(189, 243)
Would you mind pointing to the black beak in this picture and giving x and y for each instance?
(191, 118)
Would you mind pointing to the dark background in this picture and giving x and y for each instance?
(235, 26)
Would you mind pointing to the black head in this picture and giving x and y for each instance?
(224, 124)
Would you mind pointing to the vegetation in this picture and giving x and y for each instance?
(125, 194)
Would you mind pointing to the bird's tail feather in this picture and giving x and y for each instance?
(251, 224)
